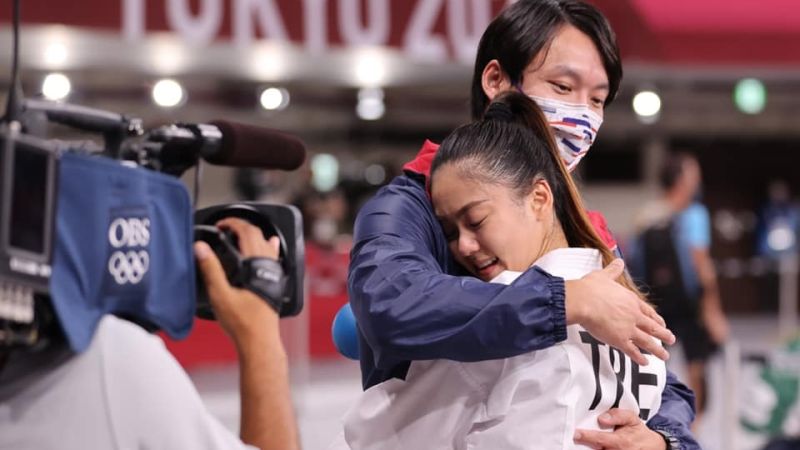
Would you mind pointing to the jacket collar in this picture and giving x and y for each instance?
(421, 165)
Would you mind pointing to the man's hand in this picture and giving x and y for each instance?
(239, 311)
(615, 315)
(630, 433)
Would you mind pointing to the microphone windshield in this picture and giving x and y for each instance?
(257, 147)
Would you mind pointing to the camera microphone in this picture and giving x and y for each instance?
(175, 148)
(255, 147)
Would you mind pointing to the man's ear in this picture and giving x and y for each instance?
(494, 80)
(541, 199)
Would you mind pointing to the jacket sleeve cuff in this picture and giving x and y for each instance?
(672, 442)
(556, 286)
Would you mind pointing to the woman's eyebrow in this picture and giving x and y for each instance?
(463, 210)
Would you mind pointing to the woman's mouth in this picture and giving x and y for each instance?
(485, 270)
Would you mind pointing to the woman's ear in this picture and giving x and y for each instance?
(494, 80)
(541, 199)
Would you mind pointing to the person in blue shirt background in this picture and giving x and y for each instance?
(675, 261)
(776, 235)
(404, 288)
(778, 223)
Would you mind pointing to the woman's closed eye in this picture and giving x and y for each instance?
(476, 223)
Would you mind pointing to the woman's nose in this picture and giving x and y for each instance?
(467, 244)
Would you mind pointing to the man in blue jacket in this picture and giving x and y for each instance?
(410, 303)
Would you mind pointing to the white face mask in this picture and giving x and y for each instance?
(574, 126)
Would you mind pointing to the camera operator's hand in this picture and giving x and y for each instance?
(239, 311)
(267, 418)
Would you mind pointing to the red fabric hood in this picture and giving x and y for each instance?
(422, 163)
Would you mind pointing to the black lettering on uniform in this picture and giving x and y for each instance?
(620, 374)
(587, 338)
(639, 378)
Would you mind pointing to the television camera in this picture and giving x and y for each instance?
(89, 229)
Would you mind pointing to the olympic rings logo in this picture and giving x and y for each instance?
(128, 267)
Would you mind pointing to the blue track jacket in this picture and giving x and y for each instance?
(410, 303)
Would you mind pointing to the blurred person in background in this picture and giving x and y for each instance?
(778, 223)
(327, 255)
(777, 231)
(324, 214)
(127, 391)
(671, 256)
(407, 299)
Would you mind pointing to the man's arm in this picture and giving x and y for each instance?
(267, 417)
(408, 309)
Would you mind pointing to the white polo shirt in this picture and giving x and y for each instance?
(125, 392)
(531, 401)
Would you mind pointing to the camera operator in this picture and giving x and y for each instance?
(126, 391)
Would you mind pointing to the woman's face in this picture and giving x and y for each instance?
(571, 70)
(489, 228)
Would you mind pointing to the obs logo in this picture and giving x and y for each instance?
(127, 264)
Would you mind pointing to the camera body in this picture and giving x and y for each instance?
(92, 233)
